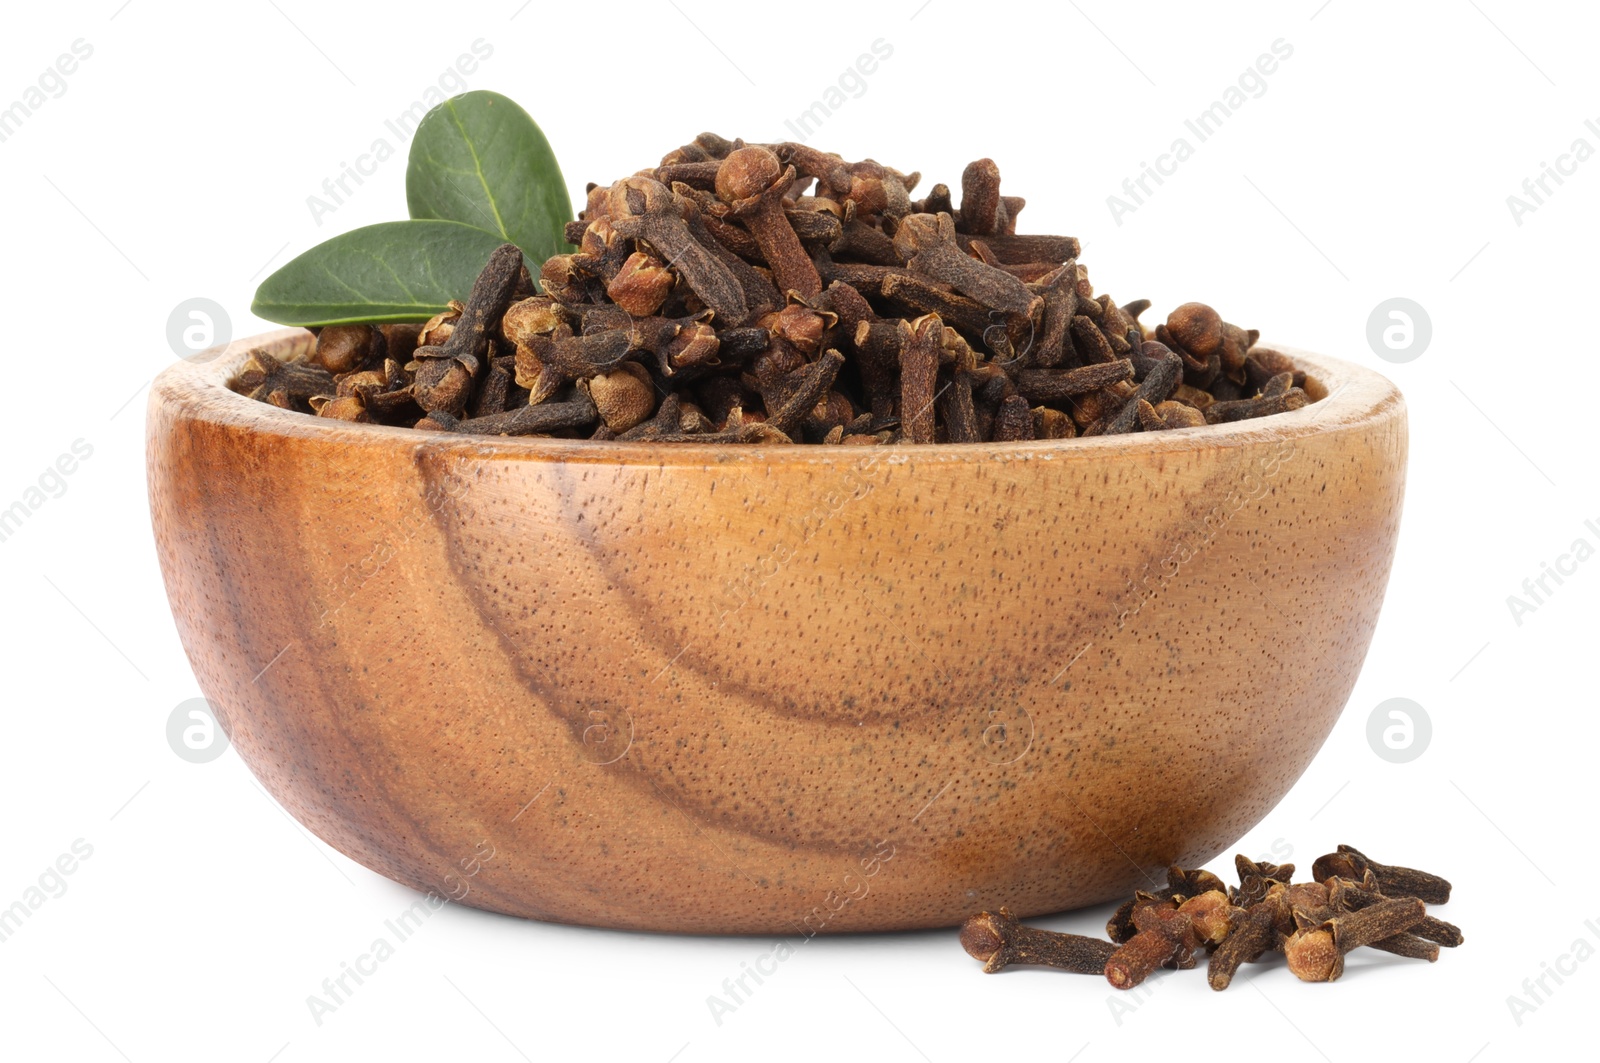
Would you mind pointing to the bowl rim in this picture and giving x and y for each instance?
(1345, 396)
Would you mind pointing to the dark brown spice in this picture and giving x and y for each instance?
(982, 211)
(1179, 415)
(782, 286)
(525, 420)
(645, 209)
(1165, 935)
(284, 384)
(1050, 385)
(918, 295)
(1052, 424)
(1014, 421)
(1149, 419)
(1254, 934)
(752, 181)
(1255, 878)
(999, 941)
(811, 383)
(493, 394)
(1350, 896)
(1412, 946)
(919, 367)
(928, 244)
(1315, 924)
(1316, 951)
(445, 373)
(1261, 406)
(1350, 863)
(347, 348)
(342, 408)
(1182, 884)
(1088, 342)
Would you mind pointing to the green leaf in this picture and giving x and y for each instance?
(478, 158)
(394, 271)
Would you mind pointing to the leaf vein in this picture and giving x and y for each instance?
(477, 165)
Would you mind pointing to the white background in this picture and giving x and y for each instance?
(177, 164)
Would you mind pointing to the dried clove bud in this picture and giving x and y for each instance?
(1165, 935)
(445, 373)
(1120, 927)
(624, 396)
(1197, 328)
(400, 340)
(1262, 364)
(1049, 385)
(789, 273)
(347, 348)
(645, 209)
(1316, 951)
(1350, 863)
(752, 181)
(982, 211)
(1014, 421)
(999, 941)
(525, 420)
(581, 357)
(1262, 406)
(813, 382)
(1345, 895)
(919, 369)
(1253, 934)
(928, 243)
(1052, 424)
(343, 408)
(289, 385)
(1179, 415)
(1210, 916)
(641, 285)
(1314, 923)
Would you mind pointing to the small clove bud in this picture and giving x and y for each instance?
(1165, 935)
(1316, 951)
(1350, 863)
(999, 941)
(624, 396)
(347, 348)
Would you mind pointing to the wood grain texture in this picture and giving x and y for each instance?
(775, 689)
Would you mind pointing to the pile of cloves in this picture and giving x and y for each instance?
(774, 293)
(1353, 902)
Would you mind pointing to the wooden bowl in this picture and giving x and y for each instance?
(782, 690)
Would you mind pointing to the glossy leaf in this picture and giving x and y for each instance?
(478, 158)
(393, 271)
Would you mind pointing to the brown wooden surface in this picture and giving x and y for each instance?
(726, 678)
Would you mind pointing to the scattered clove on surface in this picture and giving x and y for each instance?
(1165, 935)
(1350, 863)
(1316, 951)
(1314, 925)
(999, 941)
